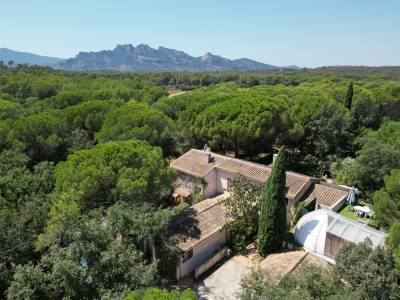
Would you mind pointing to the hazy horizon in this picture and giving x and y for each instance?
(305, 34)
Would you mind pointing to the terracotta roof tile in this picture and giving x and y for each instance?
(279, 265)
(326, 194)
(194, 163)
(197, 223)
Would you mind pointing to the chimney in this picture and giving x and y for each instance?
(207, 151)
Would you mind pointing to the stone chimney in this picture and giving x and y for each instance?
(207, 151)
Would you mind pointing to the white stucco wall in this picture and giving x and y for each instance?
(211, 189)
(222, 180)
(203, 251)
(186, 181)
(339, 204)
(289, 210)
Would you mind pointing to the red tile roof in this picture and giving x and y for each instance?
(279, 265)
(196, 223)
(326, 194)
(194, 163)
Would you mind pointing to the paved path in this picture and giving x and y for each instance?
(223, 283)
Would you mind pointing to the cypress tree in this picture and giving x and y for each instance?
(272, 223)
(349, 96)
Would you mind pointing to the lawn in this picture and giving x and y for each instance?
(345, 212)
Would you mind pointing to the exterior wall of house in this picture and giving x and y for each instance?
(222, 180)
(204, 267)
(211, 189)
(339, 204)
(289, 210)
(334, 208)
(186, 181)
(201, 252)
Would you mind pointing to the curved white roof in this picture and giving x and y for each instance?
(311, 229)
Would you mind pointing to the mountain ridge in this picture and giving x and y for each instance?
(142, 58)
(145, 58)
(20, 57)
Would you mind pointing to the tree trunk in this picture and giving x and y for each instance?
(153, 251)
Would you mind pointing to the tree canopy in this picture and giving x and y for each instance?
(272, 223)
(138, 121)
(129, 171)
(85, 184)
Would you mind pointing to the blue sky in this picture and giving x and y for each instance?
(302, 32)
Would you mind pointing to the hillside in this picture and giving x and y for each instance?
(27, 58)
(144, 58)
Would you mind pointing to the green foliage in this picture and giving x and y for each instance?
(234, 119)
(138, 121)
(313, 284)
(243, 207)
(156, 293)
(371, 106)
(348, 100)
(272, 223)
(379, 154)
(168, 262)
(101, 254)
(393, 238)
(46, 135)
(131, 171)
(46, 115)
(387, 200)
(369, 273)
(8, 109)
(91, 264)
(359, 273)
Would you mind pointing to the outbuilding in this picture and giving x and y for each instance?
(199, 235)
(324, 232)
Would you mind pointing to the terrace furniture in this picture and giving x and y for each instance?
(362, 210)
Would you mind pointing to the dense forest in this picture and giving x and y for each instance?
(84, 179)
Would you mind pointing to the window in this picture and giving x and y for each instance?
(188, 255)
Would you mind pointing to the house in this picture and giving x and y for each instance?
(213, 174)
(324, 232)
(199, 235)
(325, 195)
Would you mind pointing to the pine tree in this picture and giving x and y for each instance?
(272, 223)
(349, 96)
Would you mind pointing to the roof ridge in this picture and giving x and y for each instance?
(217, 202)
(236, 159)
(297, 263)
(252, 163)
(333, 186)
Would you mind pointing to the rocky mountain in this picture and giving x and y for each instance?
(145, 58)
(27, 58)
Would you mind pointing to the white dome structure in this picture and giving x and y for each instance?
(324, 232)
(310, 231)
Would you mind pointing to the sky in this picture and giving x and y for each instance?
(281, 32)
